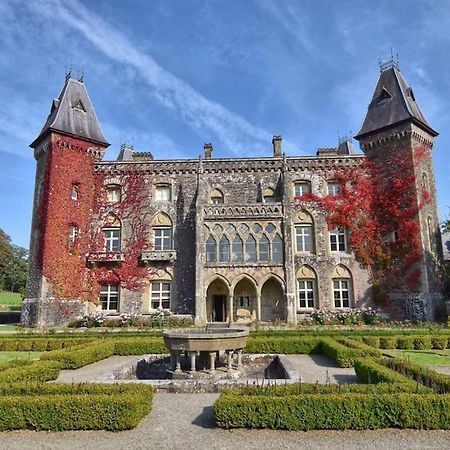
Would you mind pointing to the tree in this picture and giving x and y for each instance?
(13, 265)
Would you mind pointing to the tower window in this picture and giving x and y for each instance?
(302, 188)
(383, 98)
(160, 296)
(163, 193)
(334, 188)
(114, 194)
(338, 240)
(163, 238)
(112, 239)
(74, 192)
(216, 197)
(269, 196)
(73, 232)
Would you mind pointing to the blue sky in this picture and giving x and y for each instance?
(170, 75)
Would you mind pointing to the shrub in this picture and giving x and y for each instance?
(439, 342)
(365, 349)
(422, 342)
(373, 341)
(388, 342)
(36, 371)
(286, 345)
(345, 356)
(405, 342)
(334, 411)
(139, 346)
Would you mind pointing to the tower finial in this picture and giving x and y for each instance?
(390, 63)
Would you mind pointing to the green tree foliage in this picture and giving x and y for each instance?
(13, 265)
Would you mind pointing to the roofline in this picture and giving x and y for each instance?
(417, 122)
(64, 133)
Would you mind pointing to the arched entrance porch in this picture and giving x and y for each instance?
(245, 297)
(217, 298)
(273, 302)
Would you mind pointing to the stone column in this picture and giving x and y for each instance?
(258, 306)
(229, 360)
(176, 358)
(212, 361)
(230, 308)
(239, 358)
(192, 356)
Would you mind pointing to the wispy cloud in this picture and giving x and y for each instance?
(199, 112)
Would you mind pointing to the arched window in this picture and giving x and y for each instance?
(269, 195)
(304, 233)
(307, 287)
(342, 287)
(114, 193)
(112, 235)
(264, 249)
(211, 250)
(216, 197)
(277, 249)
(74, 192)
(224, 250)
(162, 232)
(237, 250)
(250, 249)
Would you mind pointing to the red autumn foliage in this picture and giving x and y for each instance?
(378, 206)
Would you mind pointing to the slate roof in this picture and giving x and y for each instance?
(72, 113)
(393, 102)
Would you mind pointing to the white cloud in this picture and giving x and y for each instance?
(236, 133)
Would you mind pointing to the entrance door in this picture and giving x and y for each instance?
(218, 312)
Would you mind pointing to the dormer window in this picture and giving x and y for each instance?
(79, 106)
(216, 197)
(114, 193)
(269, 195)
(384, 97)
(163, 193)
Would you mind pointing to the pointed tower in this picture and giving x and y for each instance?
(66, 149)
(396, 129)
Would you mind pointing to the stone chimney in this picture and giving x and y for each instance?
(276, 142)
(208, 148)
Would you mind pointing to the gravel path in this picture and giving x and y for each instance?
(186, 421)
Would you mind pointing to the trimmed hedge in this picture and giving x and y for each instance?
(139, 346)
(334, 411)
(39, 344)
(344, 356)
(408, 342)
(428, 377)
(36, 371)
(102, 409)
(283, 344)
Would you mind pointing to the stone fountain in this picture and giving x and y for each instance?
(202, 348)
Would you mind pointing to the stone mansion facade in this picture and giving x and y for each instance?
(207, 237)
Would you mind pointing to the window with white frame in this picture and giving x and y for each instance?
(163, 193)
(304, 238)
(302, 188)
(114, 193)
(306, 293)
(334, 188)
(112, 239)
(342, 293)
(338, 240)
(74, 192)
(160, 294)
(73, 232)
(109, 297)
(163, 238)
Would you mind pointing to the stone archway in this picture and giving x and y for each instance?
(273, 303)
(245, 297)
(217, 298)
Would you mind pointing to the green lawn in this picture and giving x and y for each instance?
(8, 328)
(11, 356)
(10, 298)
(425, 357)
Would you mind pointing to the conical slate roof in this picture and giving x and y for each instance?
(393, 102)
(73, 114)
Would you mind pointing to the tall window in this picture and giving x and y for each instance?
(277, 249)
(163, 193)
(264, 249)
(224, 250)
(250, 249)
(341, 293)
(109, 297)
(163, 238)
(237, 250)
(73, 232)
(112, 239)
(304, 238)
(74, 192)
(114, 193)
(338, 240)
(306, 293)
(216, 197)
(211, 250)
(334, 188)
(160, 295)
(302, 188)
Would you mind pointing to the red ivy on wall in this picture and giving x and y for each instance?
(378, 205)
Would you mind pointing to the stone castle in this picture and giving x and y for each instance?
(214, 238)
